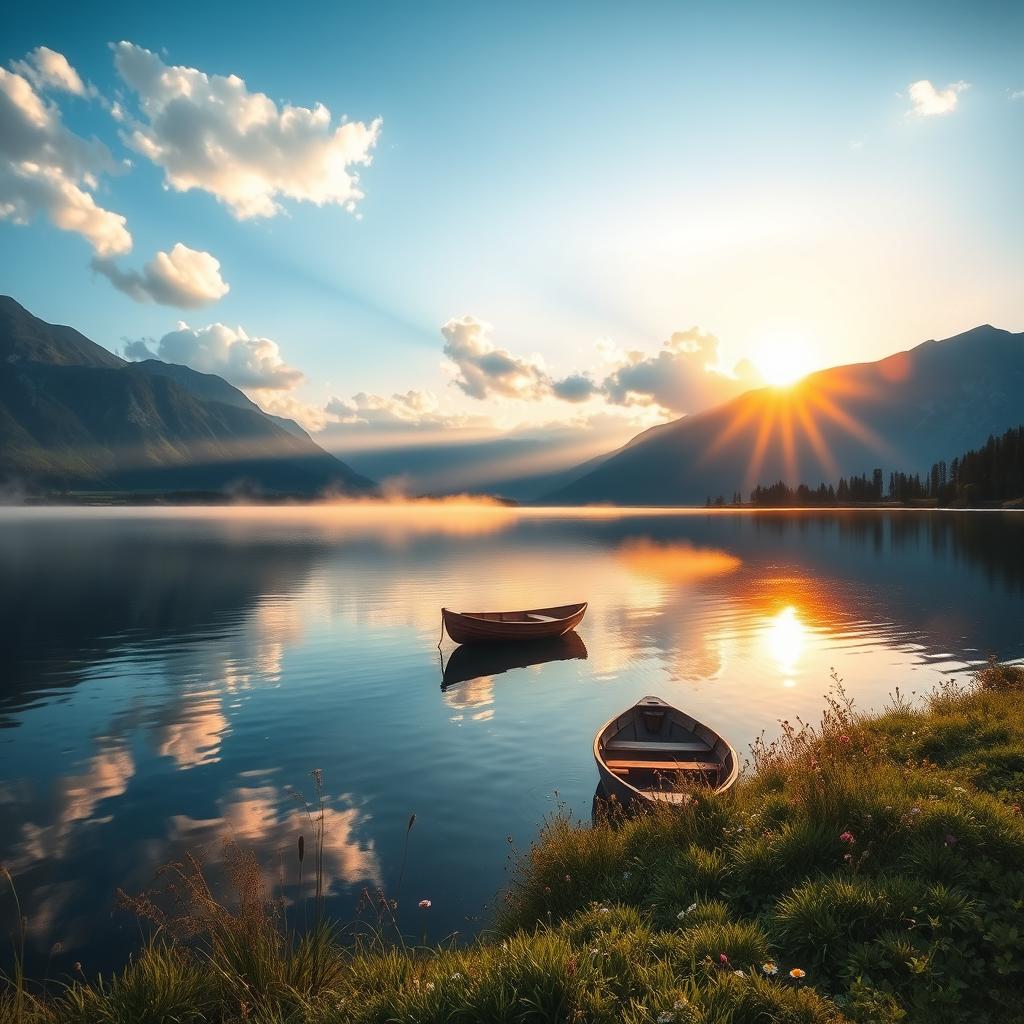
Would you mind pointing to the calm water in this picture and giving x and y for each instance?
(169, 677)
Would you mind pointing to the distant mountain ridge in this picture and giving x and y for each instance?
(74, 416)
(903, 412)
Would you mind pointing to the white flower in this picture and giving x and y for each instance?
(770, 968)
(456, 976)
(666, 1017)
(680, 1004)
(605, 910)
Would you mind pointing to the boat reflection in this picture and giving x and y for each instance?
(473, 661)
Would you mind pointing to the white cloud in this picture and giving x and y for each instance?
(483, 370)
(47, 170)
(183, 277)
(684, 377)
(927, 101)
(1017, 94)
(48, 69)
(210, 132)
(226, 351)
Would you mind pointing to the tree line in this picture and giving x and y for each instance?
(994, 472)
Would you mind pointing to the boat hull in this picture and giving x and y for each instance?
(653, 752)
(506, 627)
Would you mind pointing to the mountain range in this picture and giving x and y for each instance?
(903, 412)
(76, 417)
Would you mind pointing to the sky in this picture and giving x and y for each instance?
(401, 223)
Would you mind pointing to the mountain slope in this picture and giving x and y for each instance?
(74, 416)
(903, 412)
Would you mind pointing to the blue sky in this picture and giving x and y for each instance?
(589, 180)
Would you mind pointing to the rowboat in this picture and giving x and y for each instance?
(653, 751)
(475, 660)
(530, 624)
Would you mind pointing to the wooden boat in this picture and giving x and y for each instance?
(530, 624)
(474, 660)
(653, 751)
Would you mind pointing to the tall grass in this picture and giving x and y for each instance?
(869, 869)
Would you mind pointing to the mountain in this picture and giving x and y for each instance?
(208, 387)
(74, 416)
(903, 412)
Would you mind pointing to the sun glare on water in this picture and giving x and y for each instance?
(782, 360)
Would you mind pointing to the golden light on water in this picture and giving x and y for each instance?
(785, 637)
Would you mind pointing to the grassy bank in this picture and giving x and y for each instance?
(869, 870)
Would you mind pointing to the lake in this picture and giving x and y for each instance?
(170, 677)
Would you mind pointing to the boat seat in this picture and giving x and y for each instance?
(618, 765)
(534, 617)
(660, 747)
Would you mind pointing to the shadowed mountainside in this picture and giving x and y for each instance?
(902, 412)
(74, 416)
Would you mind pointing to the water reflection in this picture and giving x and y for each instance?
(169, 679)
(468, 662)
(784, 637)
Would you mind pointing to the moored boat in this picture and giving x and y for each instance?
(528, 624)
(653, 751)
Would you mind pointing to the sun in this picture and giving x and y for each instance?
(782, 359)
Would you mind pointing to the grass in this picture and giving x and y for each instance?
(870, 869)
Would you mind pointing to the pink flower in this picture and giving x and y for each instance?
(425, 904)
(844, 738)
(723, 959)
(847, 837)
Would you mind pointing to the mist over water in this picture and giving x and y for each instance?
(167, 678)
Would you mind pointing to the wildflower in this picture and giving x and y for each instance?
(627, 875)
(547, 890)
(430, 986)
(689, 910)
(915, 810)
(456, 976)
(797, 973)
(666, 1016)
(848, 857)
(770, 968)
(740, 974)
(680, 1004)
(723, 959)
(847, 837)
(568, 878)
(844, 738)
(605, 910)
(425, 904)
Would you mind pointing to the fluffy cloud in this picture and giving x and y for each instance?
(226, 351)
(483, 370)
(183, 277)
(1017, 94)
(48, 69)
(420, 409)
(684, 377)
(927, 101)
(211, 133)
(577, 387)
(47, 170)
